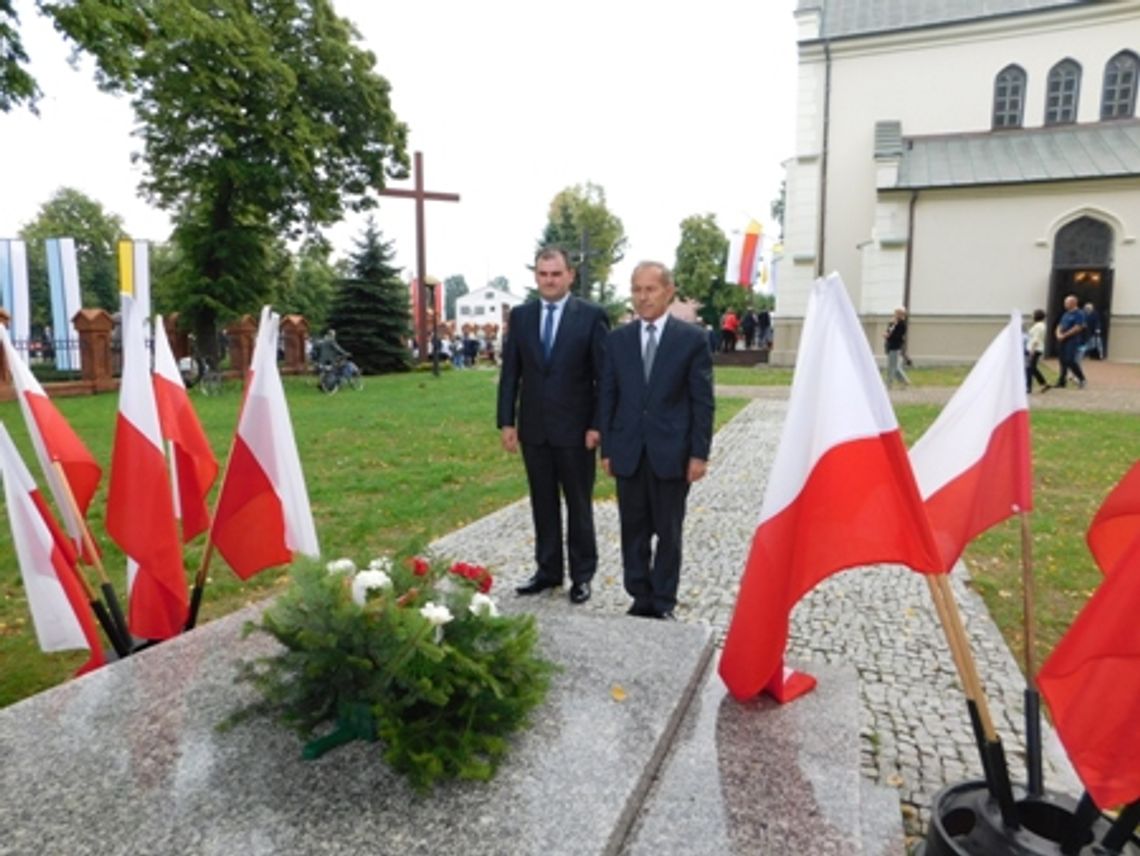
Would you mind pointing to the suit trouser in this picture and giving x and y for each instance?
(650, 506)
(569, 471)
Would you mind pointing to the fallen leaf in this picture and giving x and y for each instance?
(617, 692)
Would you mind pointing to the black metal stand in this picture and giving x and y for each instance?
(967, 821)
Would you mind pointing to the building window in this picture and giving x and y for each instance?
(464, 310)
(480, 310)
(1061, 93)
(1009, 97)
(1119, 100)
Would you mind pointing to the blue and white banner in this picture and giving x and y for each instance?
(14, 291)
(63, 281)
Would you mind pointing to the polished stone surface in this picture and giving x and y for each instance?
(761, 778)
(128, 760)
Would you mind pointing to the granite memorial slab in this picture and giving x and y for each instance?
(129, 759)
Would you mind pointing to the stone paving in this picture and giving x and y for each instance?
(914, 725)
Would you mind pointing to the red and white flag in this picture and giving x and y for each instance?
(263, 516)
(140, 503)
(840, 494)
(1117, 522)
(1091, 683)
(60, 611)
(55, 443)
(193, 465)
(744, 256)
(973, 463)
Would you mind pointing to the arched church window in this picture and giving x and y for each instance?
(1119, 99)
(1061, 93)
(1009, 97)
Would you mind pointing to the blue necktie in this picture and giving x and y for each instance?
(650, 350)
(548, 331)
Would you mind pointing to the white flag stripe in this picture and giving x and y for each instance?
(837, 394)
(136, 392)
(57, 628)
(26, 384)
(164, 363)
(266, 427)
(992, 392)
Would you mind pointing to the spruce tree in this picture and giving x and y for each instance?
(370, 308)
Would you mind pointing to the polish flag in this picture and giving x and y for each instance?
(1091, 683)
(1117, 522)
(744, 250)
(140, 504)
(55, 443)
(60, 611)
(263, 515)
(193, 465)
(841, 494)
(973, 464)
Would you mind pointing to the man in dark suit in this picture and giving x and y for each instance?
(552, 365)
(656, 417)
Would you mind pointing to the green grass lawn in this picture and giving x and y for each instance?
(388, 469)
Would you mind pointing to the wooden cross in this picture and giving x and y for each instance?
(424, 340)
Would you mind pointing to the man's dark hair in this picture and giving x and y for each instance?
(554, 252)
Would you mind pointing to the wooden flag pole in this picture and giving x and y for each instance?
(992, 754)
(105, 582)
(1035, 778)
(200, 579)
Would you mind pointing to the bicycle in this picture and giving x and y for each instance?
(342, 372)
(199, 372)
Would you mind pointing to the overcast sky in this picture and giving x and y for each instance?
(673, 107)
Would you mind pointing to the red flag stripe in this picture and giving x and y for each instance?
(1116, 525)
(249, 530)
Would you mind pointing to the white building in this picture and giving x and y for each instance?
(484, 306)
(964, 158)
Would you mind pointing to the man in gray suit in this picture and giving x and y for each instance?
(656, 417)
(548, 405)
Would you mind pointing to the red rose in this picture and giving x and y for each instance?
(420, 566)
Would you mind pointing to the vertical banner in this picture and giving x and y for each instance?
(134, 274)
(14, 291)
(743, 263)
(63, 282)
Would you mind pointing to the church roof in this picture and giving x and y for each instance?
(1022, 156)
(865, 17)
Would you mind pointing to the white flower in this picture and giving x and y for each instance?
(341, 566)
(436, 614)
(482, 605)
(381, 563)
(366, 581)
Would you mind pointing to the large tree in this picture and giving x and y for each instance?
(699, 264)
(579, 221)
(454, 287)
(72, 214)
(16, 85)
(259, 119)
(370, 310)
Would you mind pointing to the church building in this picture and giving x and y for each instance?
(962, 159)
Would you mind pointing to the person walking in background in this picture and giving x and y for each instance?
(1034, 350)
(728, 327)
(1094, 337)
(895, 338)
(748, 328)
(656, 414)
(1068, 332)
(764, 330)
(548, 406)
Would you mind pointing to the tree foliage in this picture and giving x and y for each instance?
(580, 222)
(258, 119)
(309, 287)
(454, 287)
(699, 264)
(17, 86)
(778, 205)
(72, 214)
(370, 310)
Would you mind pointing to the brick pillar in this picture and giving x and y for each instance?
(94, 327)
(179, 339)
(241, 335)
(295, 338)
(6, 391)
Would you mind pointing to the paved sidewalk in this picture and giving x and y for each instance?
(914, 726)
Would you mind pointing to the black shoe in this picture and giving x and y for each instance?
(667, 615)
(536, 585)
(641, 611)
(579, 592)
